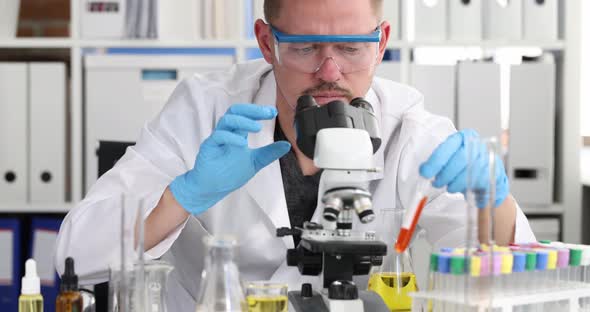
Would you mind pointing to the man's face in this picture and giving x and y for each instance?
(323, 17)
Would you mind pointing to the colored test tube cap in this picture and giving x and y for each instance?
(551, 259)
(457, 265)
(575, 257)
(542, 258)
(433, 262)
(475, 267)
(519, 263)
(563, 258)
(531, 261)
(507, 263)
(444, 263)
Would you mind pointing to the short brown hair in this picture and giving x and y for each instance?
(272, 8)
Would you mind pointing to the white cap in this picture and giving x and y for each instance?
(585, 255)
(31, 285)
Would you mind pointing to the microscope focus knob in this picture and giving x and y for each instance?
(306, 291)
(343, 290)
(308, 263)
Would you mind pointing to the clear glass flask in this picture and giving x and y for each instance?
(221, 289)
(394, 280)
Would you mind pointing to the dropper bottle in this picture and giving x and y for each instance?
(69, 298)
(30, 299)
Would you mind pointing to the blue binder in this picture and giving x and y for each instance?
(48, 290)
(10, 289)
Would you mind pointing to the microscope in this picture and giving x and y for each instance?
(341, 138)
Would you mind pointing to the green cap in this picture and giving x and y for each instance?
(433, 262)
(545, 241)
(457, 265)
(531, 261)
(575, 257)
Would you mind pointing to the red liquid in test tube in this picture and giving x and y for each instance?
(409, 225)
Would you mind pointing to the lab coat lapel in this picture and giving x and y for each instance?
(266, 187)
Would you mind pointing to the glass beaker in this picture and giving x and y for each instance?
(156, 277)
(394, 280)
(221, 288)
(264, 296)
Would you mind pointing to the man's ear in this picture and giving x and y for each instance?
(385, 33)
(265, 40)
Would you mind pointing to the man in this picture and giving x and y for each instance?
(207, 165)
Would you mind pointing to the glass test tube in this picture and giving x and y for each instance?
(457, 279)
(444, 263)
(518, 271)
(575, 269)
(506, 283)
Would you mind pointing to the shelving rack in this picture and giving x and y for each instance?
(567, 203)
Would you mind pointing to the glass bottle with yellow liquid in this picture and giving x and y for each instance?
(394, 280)
(263, 296)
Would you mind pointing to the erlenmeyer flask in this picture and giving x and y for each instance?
(156, 276)
(395, 278)
(221, 288)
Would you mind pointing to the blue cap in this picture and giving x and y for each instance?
(444, 263)
(519, 262)
(447, 249)
(542, 259)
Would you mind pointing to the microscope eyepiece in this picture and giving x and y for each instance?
(305, 102)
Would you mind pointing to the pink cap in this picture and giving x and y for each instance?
(497, 263)
(563, 258)
(485, 265)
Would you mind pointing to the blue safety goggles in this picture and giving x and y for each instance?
(375, 36)
(307, 53)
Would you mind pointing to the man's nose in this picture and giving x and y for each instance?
(329, 70)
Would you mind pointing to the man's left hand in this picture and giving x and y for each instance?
(448, 163)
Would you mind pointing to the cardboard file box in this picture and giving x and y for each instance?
(532, 132)
(540, 19)
(437, 84)
(502, 19)
(123, 92)
(14, 132)
(102, 19)
(465, 20)
(430, 20)
(47, 162)
(478, 98)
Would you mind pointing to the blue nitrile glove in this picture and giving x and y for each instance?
(225, 163)
(448, 163)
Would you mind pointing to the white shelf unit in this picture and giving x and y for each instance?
(568, 186)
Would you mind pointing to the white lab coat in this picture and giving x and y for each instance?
(168, 145)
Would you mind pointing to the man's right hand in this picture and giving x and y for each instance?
(225, 162)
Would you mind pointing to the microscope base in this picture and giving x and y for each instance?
(368, 301)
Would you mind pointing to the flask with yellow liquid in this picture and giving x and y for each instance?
(266, 296)
(394, 280)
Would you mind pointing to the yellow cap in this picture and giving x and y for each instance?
(484, 247)
(475, 266)
(459, 251)
(552, 259)
(501, 249)
(507, 262)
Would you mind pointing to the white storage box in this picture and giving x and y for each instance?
(125, 91)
